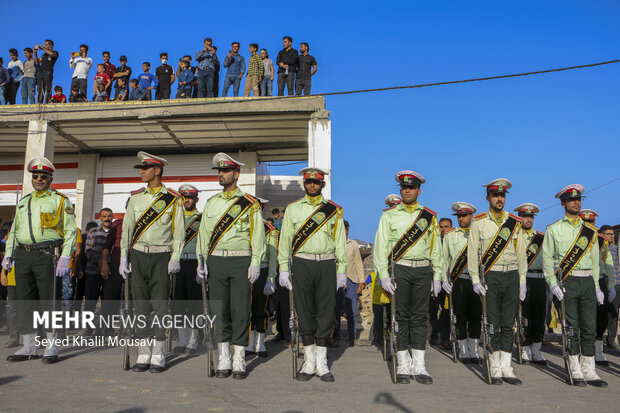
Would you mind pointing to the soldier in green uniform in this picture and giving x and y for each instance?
(232, 239)
(607, 282)
(313, 239)
(496, 242)
(152, 238)
(570, 248)
(186, 295)
(408, 244)
(43, 231)
(467, 306)
(534, 308)
(262, 289)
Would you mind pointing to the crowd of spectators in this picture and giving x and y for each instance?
(35, 75)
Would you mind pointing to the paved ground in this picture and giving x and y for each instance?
(91, 379)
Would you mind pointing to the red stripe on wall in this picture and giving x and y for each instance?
(55, 186)
(62, 165)
(166, 179)
(117, 215)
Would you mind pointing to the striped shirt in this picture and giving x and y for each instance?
(613, 248)
(94, 246)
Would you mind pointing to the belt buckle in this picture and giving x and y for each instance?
(27, 247)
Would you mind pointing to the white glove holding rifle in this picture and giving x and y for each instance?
(125, 268)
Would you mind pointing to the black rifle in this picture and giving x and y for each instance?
(125, 330)
(393, 324)
(386, 331)
(567, 331)
(452, 327)
(208, 334)
(487, 330)
(520, 333)
(293, 325)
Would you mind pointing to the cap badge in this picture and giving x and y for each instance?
(574, 192)
(311, 175)
(221, 164)
(500, 188)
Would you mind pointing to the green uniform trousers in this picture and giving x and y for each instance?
(534, 310)
(259, 317)
(150, 287)
(581, 313)
(467, 309)
(413, 291)
(314, 295)
(603, 311)
(230, 291)
(502, 307)
(34, 285)
(186, 292)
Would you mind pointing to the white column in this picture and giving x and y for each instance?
(40, 142)
(320, 146)
(247, 178)
(85, 188)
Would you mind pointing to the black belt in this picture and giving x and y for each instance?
(41, 245)
(535, 271)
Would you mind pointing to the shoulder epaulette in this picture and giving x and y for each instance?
(250, 198)
(333, 203)
(450, 230)
(61, 194)
(481, 215)
(137, 191)
(591, 226)
(25, 196)
(431, 211)
(392, 207)
(519, 219)
(540, 233)
(173, 192)
(271, 227)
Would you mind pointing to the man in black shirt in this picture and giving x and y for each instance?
(165, 78)
(287, 62)
(305, 70)
(121, 72)
(45, 70)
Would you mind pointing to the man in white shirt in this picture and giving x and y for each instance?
(80, 63)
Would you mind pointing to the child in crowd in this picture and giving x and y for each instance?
(102, 78)
(137, 93)
(75, 96)
(147, 81)
(123, 90)
(185, 80)
(59, 97)
(100, 95)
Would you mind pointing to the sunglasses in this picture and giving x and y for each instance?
(40, 176)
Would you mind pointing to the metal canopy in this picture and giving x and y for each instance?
(276, 128)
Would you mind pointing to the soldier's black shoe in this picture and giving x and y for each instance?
(612, 344)
(578, 382)
(329, 377)
(222, 374)
(402, 379)
(512, 380)
(192, 351)
(157, 369)
(304, 376)
(21, 357)
(525, 362)
(263, 354)
(423, 379)
(540, 362)
(239, 375)
(179, 349)
(474, 360)
(597, 383)
(49, 359)
(333, 343)
(603, 363)
(250, 353)
(466, 360)
(496, 381)
(140, 367)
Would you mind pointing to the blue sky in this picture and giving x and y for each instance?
(542, 132)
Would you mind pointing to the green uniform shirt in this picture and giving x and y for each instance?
(43, 216)
(168, 230)
(527, 238)
(606, 264)
(190, 248)
(559, 238)
(271, 253)
(392, 225)
(246, 234)
(452, 246)
(329, 239)
(482, 233)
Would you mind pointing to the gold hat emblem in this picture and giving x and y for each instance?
(405, 179)
(221, 164)
(311, 175)
(500, 188)
(574, 192)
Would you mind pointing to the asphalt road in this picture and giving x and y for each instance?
(91, 379)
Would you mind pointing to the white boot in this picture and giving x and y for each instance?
(599, 357)
(321, 364)
(463, 351)
(506, 365)
(472, 349)
(418, 367)
(309, 367)
(496, 365)
(144, 355)
(589, 372)
(260, 345)
(403, 366)
(238, 362)
(575, 371)
(192, 342)
(537, 357)
(30, 346)
(158, 356)
(51, 349)
(251, 349)
(224, 365)
(526, 354)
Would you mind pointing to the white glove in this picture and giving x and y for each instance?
(253, 273)
(557, 291)
(386, 284)
(125, 268)
(269, 288)
(479, 289)
(201, 273)
(8, 263)
(436, 287)
(600, 297)
(447, 286)
(173, 267)
(522, 291)
(341, 281)
(285, 280)
(62, 267)
(611, 295)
